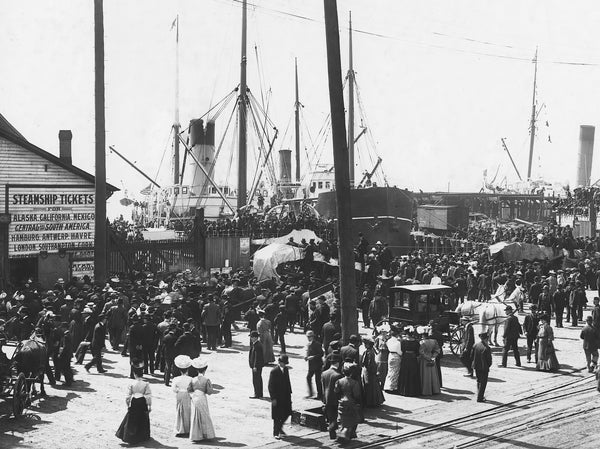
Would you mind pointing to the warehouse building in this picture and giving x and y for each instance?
(47, 211)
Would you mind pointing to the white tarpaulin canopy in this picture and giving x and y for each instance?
(268, 258)
(513, 251)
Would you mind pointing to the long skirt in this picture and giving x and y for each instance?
(372, 394)
(135, 427)
(391, 380)
(182, 423)
(409, 380)
(547, 360)
(430, 382)
(201, 426)
(267, 344)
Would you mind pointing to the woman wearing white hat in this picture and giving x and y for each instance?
(201, 426)
(181, 385)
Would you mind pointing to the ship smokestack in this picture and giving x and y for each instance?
(285, 166)
(64, 146)
(202, 144)
(586, 152)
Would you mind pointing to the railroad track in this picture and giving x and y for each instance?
(554, 392)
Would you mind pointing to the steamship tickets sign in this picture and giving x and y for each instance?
(49, 219)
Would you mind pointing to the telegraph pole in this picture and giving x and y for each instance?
(342, 175)
(242, 152)
(100, 174)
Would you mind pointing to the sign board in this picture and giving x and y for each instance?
(81, 268)
(49, 218)
(245, 246)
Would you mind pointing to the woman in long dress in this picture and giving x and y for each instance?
(430, 382)
(394, 359)
(201, 426)
(264, 329)
(180, 387)
(372, 395)
(347, 391)
(135, 427)
(547, 360)
(409, 379)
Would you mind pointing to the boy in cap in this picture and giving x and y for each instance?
(482, 361)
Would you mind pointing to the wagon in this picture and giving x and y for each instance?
(14, 386)
(418, 304)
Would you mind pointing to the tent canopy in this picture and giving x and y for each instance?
(514, 251)
(268, 258)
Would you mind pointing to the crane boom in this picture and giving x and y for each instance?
(369, 175)
(511, 159)
(112, 148)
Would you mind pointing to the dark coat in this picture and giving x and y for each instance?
(512, 328)
(314, 350)
(328, 379)
(349, 352)
(189, 345)
(169, 341)
(482, 357)
(280, 391)
(98, 336)
(589, 337)
(255, 355)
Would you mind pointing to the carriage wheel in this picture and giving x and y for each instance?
(456, 341)
(20, 395)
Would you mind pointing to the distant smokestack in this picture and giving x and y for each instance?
(586, 151)
(285, 166)
(64, 143)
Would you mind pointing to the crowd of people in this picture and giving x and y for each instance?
(163, 322)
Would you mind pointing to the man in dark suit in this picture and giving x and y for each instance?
(328, 379)
(350, 353)
(188, 344)
(256, 361)
(280, 391)
(169, 341)
(314, 357)
(590, 344)
(482, 360)
(97, 344)
(512, 331)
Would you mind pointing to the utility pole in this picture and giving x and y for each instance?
(242, 153)
(593, 212)
(100, 231)
(342, 178)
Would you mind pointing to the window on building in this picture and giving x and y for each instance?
(176, 190)
(184, 190)
(320, 184)
(328, 185)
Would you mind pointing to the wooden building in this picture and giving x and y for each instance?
(47, 211)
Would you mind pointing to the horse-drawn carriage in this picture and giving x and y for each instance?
(419, 304)
(17, 377)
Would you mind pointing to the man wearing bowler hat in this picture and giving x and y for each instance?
(512, 331)
(482, 361)
(280, 391)
(97, 344)
(256, 361)
(330, 400)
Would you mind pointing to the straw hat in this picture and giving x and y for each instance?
(183, 361)
(199, 364)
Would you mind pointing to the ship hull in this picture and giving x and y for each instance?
(379, 213)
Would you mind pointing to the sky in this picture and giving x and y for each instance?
(440, 82)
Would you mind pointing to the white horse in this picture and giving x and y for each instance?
(491, 314)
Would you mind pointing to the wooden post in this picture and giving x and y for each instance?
(593, 213)
(100, 206)
(342, 177)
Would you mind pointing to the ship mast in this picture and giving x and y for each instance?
(297, 123)
(176, 124)
(241, 193)
(350, 106)
(533, 117)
